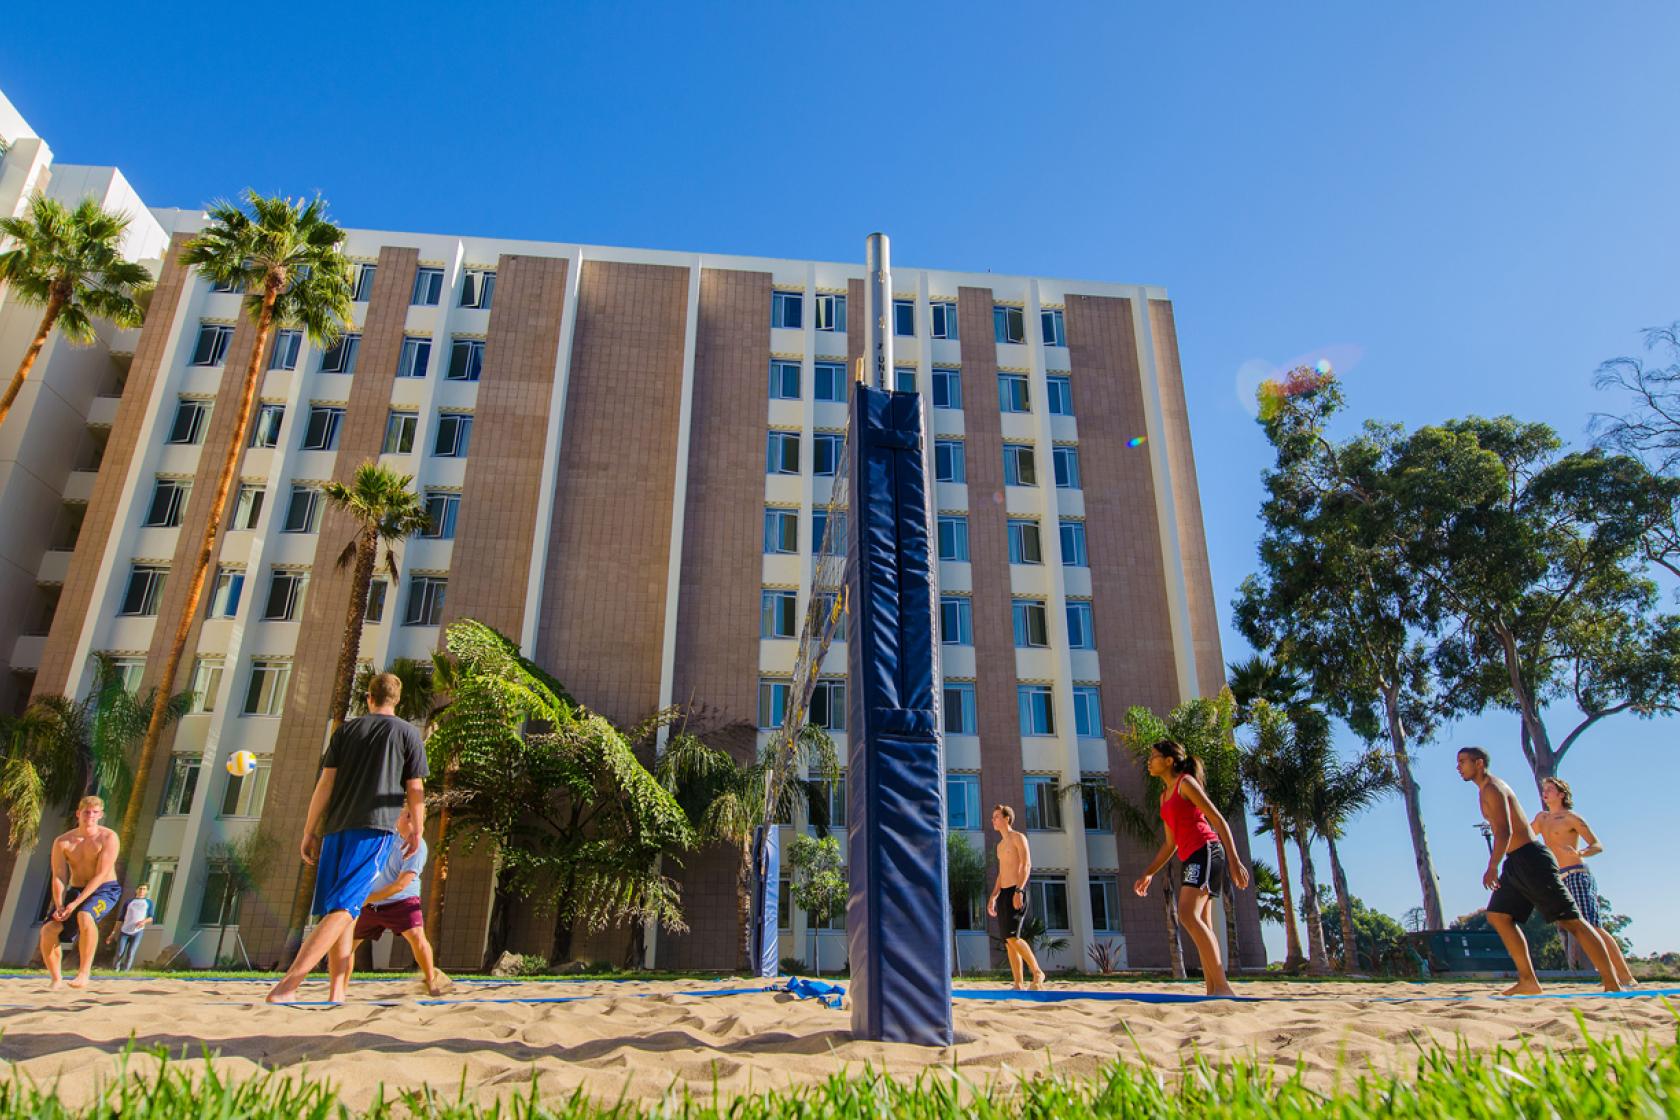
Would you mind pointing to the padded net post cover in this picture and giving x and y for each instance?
(766, 903)
(898, 919)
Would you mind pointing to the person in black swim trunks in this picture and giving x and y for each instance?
(1528, 881)
(87, 854)
(1014, 867)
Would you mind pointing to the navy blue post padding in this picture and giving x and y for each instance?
(766, 946)
(898, 916)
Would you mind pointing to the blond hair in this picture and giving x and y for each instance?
(89, 802)
(385, 689)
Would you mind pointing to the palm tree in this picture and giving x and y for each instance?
(385, 511)
(1285, 765)
(287, 256)
(1341, 792)
(71, 262)
(727, 801)
(1261, 678)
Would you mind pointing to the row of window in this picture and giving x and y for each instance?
(242, 796)
(321, 430)
(1035, 703)
(478, 285)
(1030, 619)
(143, 596)
(830, 384)
(787, 309)
(466, 355)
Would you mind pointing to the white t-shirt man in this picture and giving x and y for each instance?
(137, 914)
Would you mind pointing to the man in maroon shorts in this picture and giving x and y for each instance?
(395, 905)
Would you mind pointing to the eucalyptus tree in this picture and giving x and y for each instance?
(69, 263)
(289, 260)
(1649, 429)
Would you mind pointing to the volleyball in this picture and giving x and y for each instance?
(241, 763)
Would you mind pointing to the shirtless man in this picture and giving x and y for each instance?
(1564, 832)
(1014, 867)
(1529, 880)
(87, 855)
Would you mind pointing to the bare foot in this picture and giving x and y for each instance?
(1038, 982)
(1614, 985)
(1523, 988)
(1016, 985)
(439, 984)
(56, 986)
(78, 983)
(1628, 981)
(281, 993)
(1224, 993)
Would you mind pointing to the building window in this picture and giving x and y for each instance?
(212, 346)
(169, 498)
(829, 382)
(180, 785)
(1024, 543)
(265, 425)
(340, 357)
(828, 706)
(428, 287)
(781, 530)
(1012, 393)
(953, 537)
(831, 313)
(778, 614)
(1079, 626)
(206, 684)
(361, 289)
(127, 671)
(478, 288)
(466, 359)
(1105, 904)
(1060, 395)
(283, 355)
(265, 695)
(230, 587)
(904, 318)
(825, 453)
(375, 611)
(948, 462)
(772, 702)
(781, 454)
(1066, 460)
(787, 309)
(219, 906)
(1055, 328)
(441, 508)
(947, 388)
(1019, 466)
(453, 435)
(784, 381)
(944, 316)
(248, 506)
(1048, 898)
(1073, 545)
(244, 794)
(190, 419)
(819, 532)
(145, 590)
(1098, 813)
(962, 801)
(904, 379)
(959, 708)
(321, 433)
(399, 433)
(425, 601)
(159, 877)
(1087, 712)
(227, 287)
(956, 620)
(303, 514)
(1043, 809)
(285, 595)
(1037, 710)
(1031, 629)
(416, 357)
(1009, 324)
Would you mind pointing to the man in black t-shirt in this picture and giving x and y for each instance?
(374, 768)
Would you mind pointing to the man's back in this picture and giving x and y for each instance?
(373, 757)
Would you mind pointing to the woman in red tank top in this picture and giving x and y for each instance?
(1197, 831)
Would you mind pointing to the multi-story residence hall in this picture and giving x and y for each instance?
(627, 454)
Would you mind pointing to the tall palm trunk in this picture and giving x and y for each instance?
(55, 305)
(440, 861)
(1292, 958)
(1344, 903)
(1317, 961)
(201, 566)
(1433, 915)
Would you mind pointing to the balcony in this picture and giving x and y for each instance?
(103, 412)
(26, 652)
(80, 486)
(55, 565)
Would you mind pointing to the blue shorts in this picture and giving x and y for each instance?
(350, 859)
(101, 902)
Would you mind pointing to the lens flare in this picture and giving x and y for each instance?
(1137, 441)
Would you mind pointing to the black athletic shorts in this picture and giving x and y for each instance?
(1205, 869)
(1530, 881)
(1011, 912)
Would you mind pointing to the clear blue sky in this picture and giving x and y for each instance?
(1469, 206)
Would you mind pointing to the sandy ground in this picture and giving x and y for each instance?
(641, 1039)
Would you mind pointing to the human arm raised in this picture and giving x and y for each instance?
(1192, 789)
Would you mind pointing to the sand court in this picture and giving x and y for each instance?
(641, 1039)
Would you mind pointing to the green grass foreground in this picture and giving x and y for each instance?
(1597, 1079)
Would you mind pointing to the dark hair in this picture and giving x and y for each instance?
(1008, 813)
(1477, 753)
(1563, 791)
(1183, 762)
